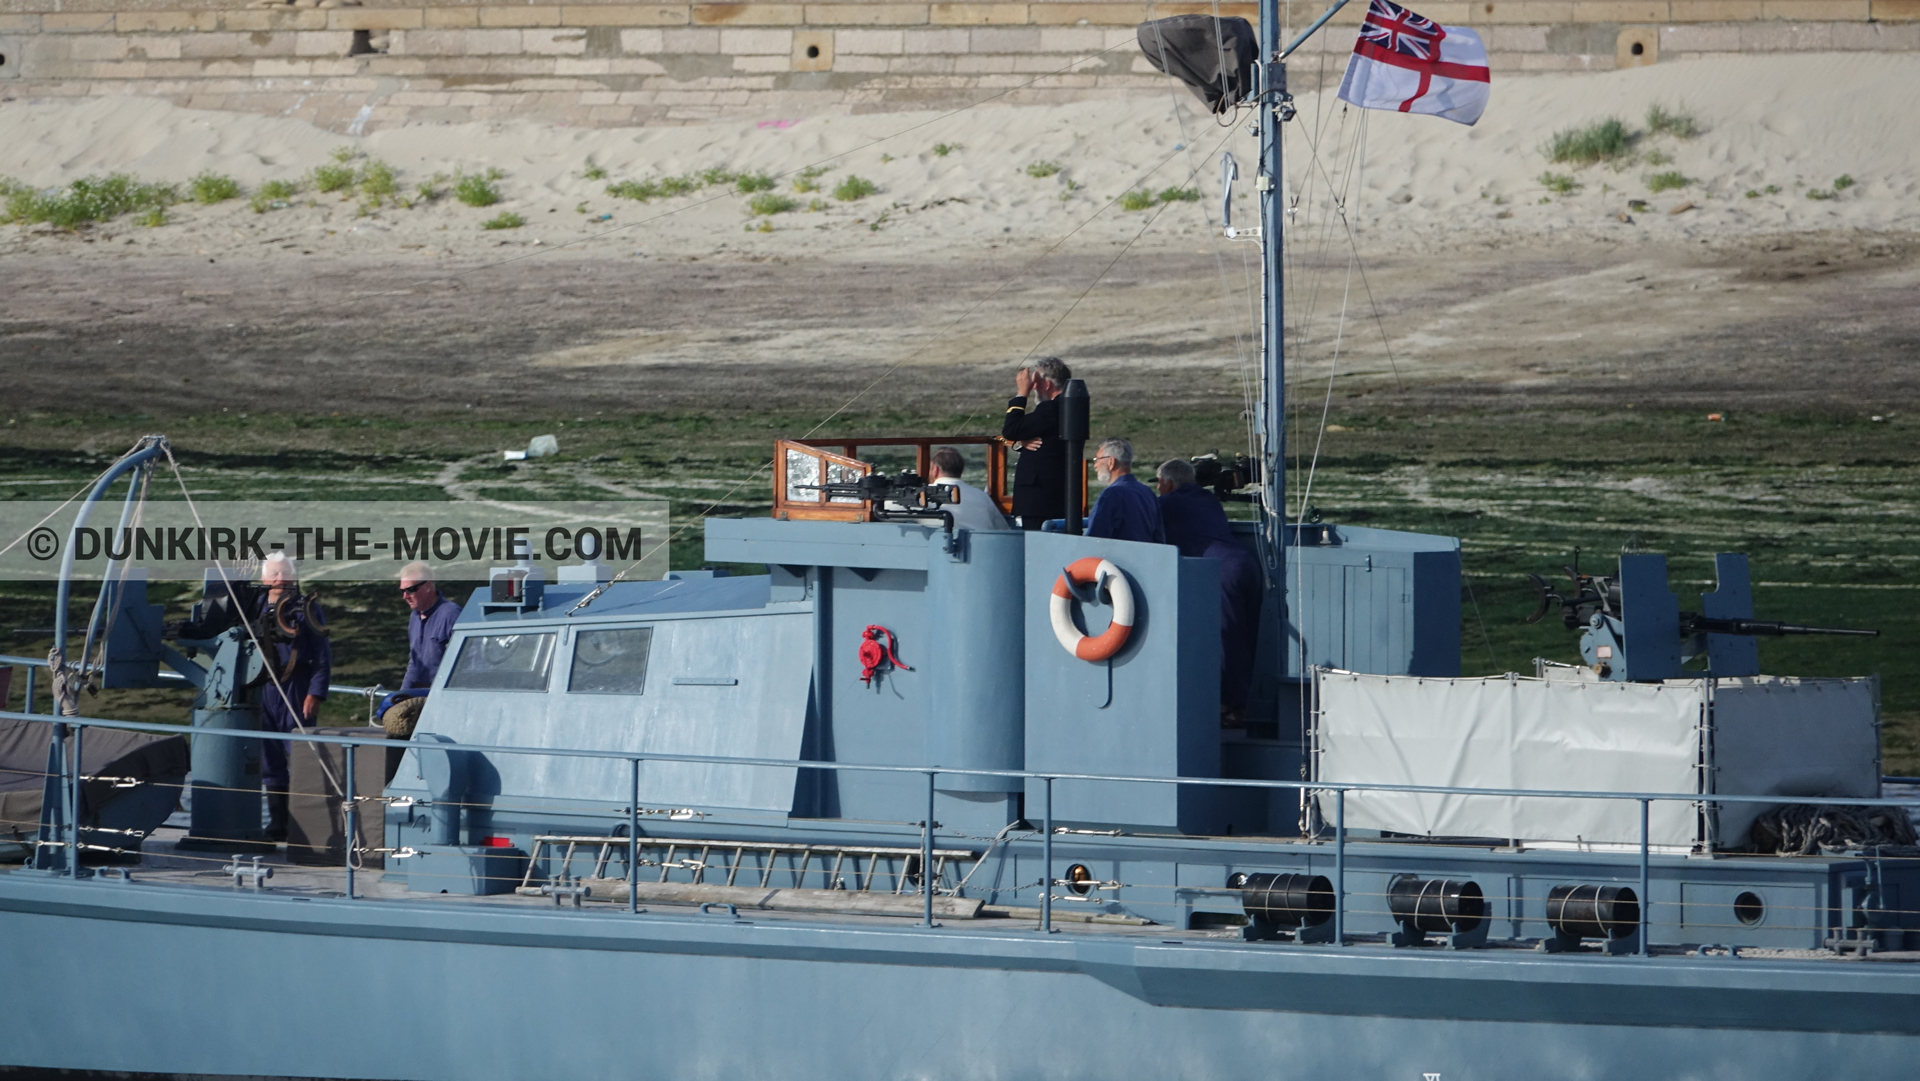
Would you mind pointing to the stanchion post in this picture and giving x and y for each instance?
(352, 820)
(1646, 898)
(1046, 858)
(926, 859)
(633, 838)
(26, 704)
(1340, 867)
(73, 807)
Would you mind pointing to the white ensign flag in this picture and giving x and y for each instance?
(1408, 64)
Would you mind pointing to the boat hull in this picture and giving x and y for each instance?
(124, 977)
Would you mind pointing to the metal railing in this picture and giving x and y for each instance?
(70, 781)
(34, 664)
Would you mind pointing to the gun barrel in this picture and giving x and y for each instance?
(1771, 628)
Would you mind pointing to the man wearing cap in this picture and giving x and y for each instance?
(430, 621)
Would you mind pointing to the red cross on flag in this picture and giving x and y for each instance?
(1409, 64)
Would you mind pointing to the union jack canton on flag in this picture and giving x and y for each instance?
(1408, 64)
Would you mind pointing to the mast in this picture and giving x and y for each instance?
(1272, 407)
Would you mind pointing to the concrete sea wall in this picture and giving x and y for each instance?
(350, 67)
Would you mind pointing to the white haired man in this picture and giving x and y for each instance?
(429, 626)
(975, 510)
(1127, 510)
(292, 702)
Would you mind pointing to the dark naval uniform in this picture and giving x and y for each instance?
(312, 672)
(1197, 525)
(1039, 475)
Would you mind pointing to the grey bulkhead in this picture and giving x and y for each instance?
(723, 683)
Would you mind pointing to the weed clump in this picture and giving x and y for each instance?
(1821, 194)
(853, 187)
(377, 179)
(1559, 183)
(478, 189)
(210, 187)
(1603, 141)
(592, 171)
(808, 179)
(337, 176)
(1667, 181)
(1179, 195)
(941, 150)
(86, 200)
(1677, 122)
(748, 183)
(504, 220)
(637, 190)
(1136, 200)
(1842, 182)
(767, 203)
(1040, 170)
(273, 195)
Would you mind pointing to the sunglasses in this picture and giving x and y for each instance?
(408, 591)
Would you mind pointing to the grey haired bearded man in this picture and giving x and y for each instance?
(975, 510)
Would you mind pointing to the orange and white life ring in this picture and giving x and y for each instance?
(1096, 572)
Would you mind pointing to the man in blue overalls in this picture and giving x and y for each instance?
(303, 663)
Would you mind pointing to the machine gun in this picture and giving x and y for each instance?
(1226, 476)
(1632, 627)
(904, 497)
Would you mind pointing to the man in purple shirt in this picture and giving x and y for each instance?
(430, 623)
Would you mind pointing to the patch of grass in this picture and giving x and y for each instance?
(273, 195)
(671, 186)
(1676, 122)
(377, 179)
(1602, 141)
(478, 189)
(808, 179)
(592, 171)
(1842, 182)
(1136, 200)
(941, 150)
(853, 187)
(1559, 183)
(716, 175)
(1040, 170)
(210, 187)
(1179, 195)
(331, 178)
(506, 219)
(155, 218)
(637, 190)
(816, 205)
(1658, 157)
(89, 199)
(748, 183)
(1668, 181)
(767, 203)
(344, 154)
(1821, 194)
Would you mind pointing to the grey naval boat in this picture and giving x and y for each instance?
(930, 802)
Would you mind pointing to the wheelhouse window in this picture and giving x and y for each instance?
(503, 662)
(611, 661)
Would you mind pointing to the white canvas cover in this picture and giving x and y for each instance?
(1512, 733)
(1800, 737)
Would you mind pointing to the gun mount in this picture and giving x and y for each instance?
(1633, 615)
(904, 497)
